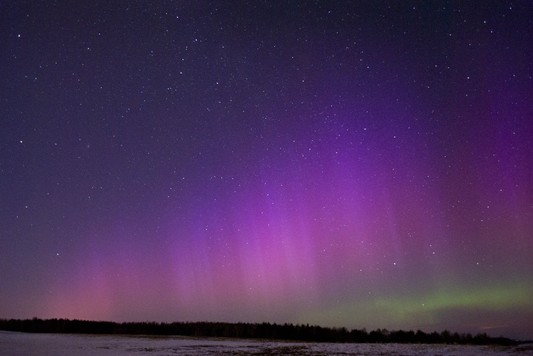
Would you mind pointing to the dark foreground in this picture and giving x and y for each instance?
(15, 343)
(249, 331)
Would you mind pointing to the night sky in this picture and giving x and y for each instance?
(365, 164)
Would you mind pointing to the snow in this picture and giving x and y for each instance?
(13, 343)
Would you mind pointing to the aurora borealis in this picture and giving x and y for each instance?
(366, 164)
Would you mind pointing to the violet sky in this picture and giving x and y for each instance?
(359, 164)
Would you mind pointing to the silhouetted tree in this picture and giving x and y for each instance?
(244, 330)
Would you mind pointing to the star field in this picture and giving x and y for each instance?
(358, 164)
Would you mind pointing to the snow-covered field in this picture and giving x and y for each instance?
(12, 343)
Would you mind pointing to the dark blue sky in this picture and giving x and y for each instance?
(359, 164)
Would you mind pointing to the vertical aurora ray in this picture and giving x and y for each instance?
(341, 164)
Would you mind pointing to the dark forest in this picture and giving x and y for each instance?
(268, 331)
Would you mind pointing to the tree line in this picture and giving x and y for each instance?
(270, 331)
